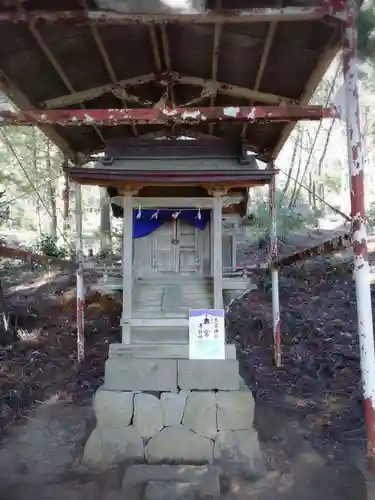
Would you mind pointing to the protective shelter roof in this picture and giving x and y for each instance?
(111, 54)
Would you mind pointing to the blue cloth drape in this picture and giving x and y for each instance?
(145, 225)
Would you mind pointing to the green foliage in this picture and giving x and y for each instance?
(370, 215)
(47, 245)
(366, 31)
(288, 220)
(332, 182)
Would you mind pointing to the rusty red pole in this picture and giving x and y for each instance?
(359, 234)
(80, 282)
(273, 257)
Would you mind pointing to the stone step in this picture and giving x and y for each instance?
(161, 351)
(170, 479)
(155, 374)
(160, 335)
(174, 490)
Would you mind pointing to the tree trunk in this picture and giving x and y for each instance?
(105, 223)
(324, 152)
(306, 169)
(295, 191)
(66, 222)
(36, 176)
(310, 189)
(292, 162)
(51, 188)
(8, 332)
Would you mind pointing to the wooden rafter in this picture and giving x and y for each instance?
(168, 62)
(53, 61)
(107, 62)
(215, 59)
(155, 49)
(262, 64)
(17, 96)
(158, 65)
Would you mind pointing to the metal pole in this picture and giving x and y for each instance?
(273, 257)
(359, 235)
(80, 283)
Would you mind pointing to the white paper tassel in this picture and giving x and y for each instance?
(199, 215)
(139, 213)
(155, 215)
(176, 214)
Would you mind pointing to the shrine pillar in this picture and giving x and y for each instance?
(127, 267)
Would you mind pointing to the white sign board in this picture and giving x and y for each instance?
(206, 334)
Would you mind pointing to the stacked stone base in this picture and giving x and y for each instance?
(198, 414)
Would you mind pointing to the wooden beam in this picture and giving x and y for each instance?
(165, 79)
(148, 202)
(104, 54)
(168, 62)
(193, 115)
(21, 101)
(233, 16)
(262, 64)
(265, 54)
(215, 60)
(155, 48)
(7, 252)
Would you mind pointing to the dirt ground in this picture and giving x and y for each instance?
(308, 412)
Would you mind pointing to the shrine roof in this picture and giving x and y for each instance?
(84, 58)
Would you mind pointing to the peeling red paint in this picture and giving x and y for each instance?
(358, 230)
(113, 117)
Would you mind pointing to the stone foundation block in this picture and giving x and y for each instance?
(239, 452)
(159, 351)
(179, 445)
(200, 414)
(172, 407)
(235, 410)
(148, 418)
(205, 478)
(110, 446)
(113, 408)
(160, 490)
(140, 374)
(208, 374)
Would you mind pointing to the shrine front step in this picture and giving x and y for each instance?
(159, 351)
(164, 335)
(170, 375)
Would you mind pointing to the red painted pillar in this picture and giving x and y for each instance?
(273, 257)
(359, 235)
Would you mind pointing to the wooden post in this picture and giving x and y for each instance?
(105, 223)
(127, 267)
(66, 200)
(217, 244)
(80, 284)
